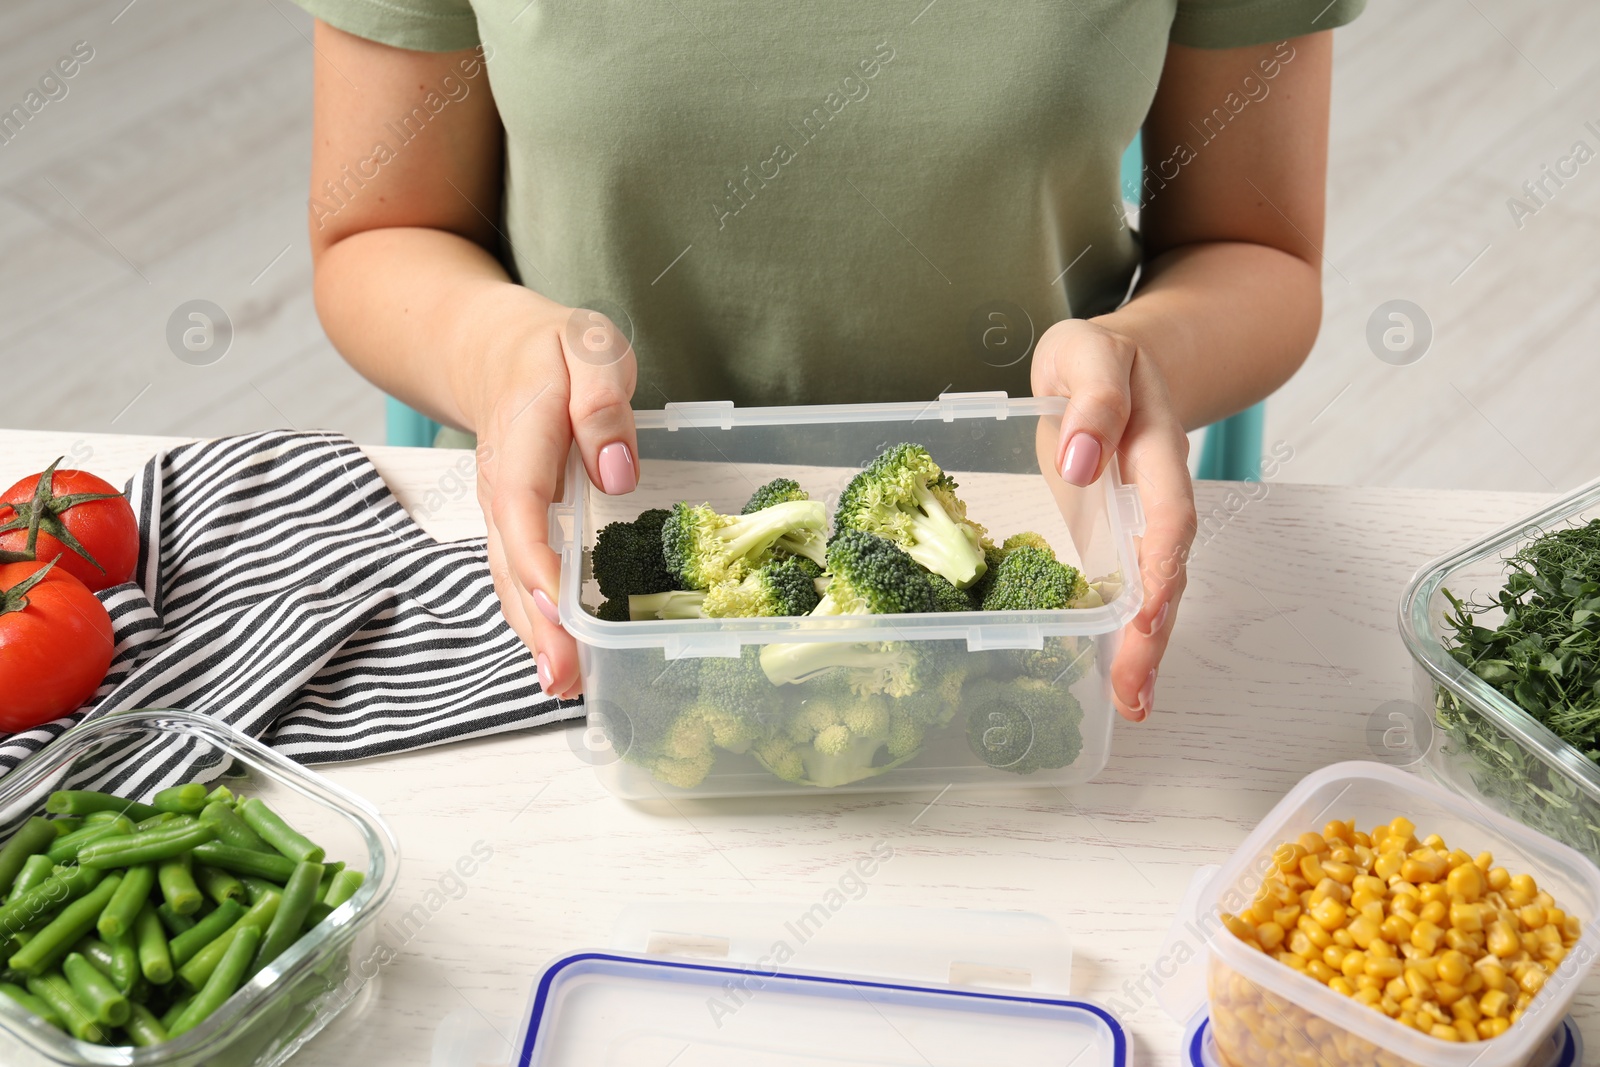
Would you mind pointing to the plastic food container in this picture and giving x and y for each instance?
(1563, 1048)
(645, 1009)
(1483, 744)
(1000, 451)
(296, 995)
(1265, 1014)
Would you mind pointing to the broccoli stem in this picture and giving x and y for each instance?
(753, 533)
(673, 604)
(942, 545)
(793, 663)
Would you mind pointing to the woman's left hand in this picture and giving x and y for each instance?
(1119, 405)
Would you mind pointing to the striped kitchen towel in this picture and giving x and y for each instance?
(283, 589)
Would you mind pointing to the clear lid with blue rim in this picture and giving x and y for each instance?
(800, 985)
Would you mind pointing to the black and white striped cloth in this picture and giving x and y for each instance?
(282, 589)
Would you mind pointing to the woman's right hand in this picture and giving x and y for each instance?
(541, 378)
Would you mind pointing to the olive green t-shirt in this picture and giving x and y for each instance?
(823, 202)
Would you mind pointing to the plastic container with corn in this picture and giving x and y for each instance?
(1337, 946)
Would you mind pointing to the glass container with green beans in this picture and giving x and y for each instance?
(174, 893)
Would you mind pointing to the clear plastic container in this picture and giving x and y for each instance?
(1482, 742)
(292, 998)
(1001, 452)
(1265, 1014)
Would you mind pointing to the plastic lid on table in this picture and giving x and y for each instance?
(791, 986)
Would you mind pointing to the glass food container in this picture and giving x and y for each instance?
(1265, 1014)
(290, 1000)
(1044, 715)
(1483, 744)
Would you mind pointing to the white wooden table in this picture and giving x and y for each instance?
(1286, 645)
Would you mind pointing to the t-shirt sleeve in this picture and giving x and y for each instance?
(420, 25)
(1238, 23)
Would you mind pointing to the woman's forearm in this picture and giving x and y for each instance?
(419, 312)
(1227, 322)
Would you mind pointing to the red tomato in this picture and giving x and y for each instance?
(82, 519)
(55, 644)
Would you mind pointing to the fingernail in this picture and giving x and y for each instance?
(618, 473)
(1083, 456)
(546, 607)
(1156, 622)
(1147, 696)
(545, 678)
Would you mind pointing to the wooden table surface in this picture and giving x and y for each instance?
(1285, 648)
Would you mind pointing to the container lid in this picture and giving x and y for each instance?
(779, 1006)
(1563, 1048)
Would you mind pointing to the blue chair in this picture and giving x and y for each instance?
(1232, 448)
(1231, 452)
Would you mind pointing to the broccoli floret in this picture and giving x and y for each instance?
(613, 610)
(994, 555)
(870, 576)
(1030, 579)
(673, 604)
(1026, 539)
(1061, 662)
(627, 559)
(703, 547)
(777, 491)
(904, 495)
(1022, 726)
(782, 587)
(834, 738)
(734, 701)
(947, 597)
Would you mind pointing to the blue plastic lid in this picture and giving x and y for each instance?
(1563, 1049)
(625, 1010)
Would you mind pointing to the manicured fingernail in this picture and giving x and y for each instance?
(1156, 622)
(618, 473)
(545, 678)
(546, 606)
(1147, 696)
(1083, 456)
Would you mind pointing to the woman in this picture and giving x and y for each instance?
(818, 203)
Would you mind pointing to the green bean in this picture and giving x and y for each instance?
(150, 940)
(284, 930)
(328, 871)
(124, 962)
(84, 802)
(65, 850)
(35, 836)
(30, 1002)
(232, 830)
(56, 991)
(175, 923)
(162, 819)
(221, 794)
(151, 846)
(118, 917)
(56, 939)
(177, 885)
(176, 1009)
(278, 833)
(184, 946)
(56, 891)
(66, 824)
(94, 818)
(319, 911)
(106, 1004)
(96, 952)
(223, 981)
(34, 870)
(143, 1028)
(218, 884)
(185, 799)
(344, 886)
(194, 973)
(268, 865)
(255, 888)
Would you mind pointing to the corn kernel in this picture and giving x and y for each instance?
(1494, 1003)
(1532, 917)
(1312, 842)
(1454, 967)
(1466, 917)
(1311, 869)
(1533, 980)
(1493, 1028)
(1424, 865)
(1420, 987)
(1447, 993)
(1329, 914)
(1396, 929)
(1466, 880)
(1354, 964)
(1397, 990)
(1342, 985)
(1320, 971)
(1499, 879)
(1434, 912)
(1383, 968)
(1402, 827)
(1503, 940)
(1432, 891)
(1425, 935)
(1388, 864)
(1435, 842)
(1445, 1032)
(1269, 935)
(1340, 872)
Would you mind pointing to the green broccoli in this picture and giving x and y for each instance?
(947, 597)
(870, 576)
(782, 587)
(613, 610)
(672, 604)
(1022, 726)
(627, 559)
(1061, 662)
(994, 555)
(1030, 579)
(835, 737)
(703, 547)
(904, 495)
(777, 491)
